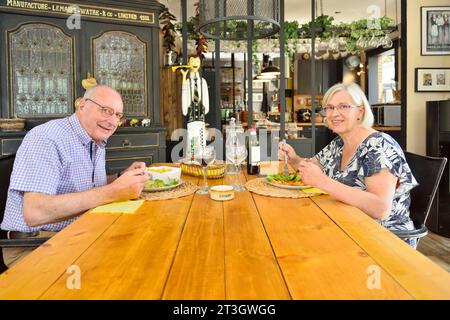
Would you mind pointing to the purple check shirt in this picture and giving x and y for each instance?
(54, 158)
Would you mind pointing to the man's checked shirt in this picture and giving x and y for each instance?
(54, 158)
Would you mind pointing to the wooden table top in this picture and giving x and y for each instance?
(252, 247)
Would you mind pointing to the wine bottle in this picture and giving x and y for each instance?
(254, 152)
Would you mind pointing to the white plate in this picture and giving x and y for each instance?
(283, 186)
(163, 188)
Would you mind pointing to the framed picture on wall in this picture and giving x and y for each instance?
(432, 79)
(435, 31)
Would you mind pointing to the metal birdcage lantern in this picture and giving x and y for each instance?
(238, 19)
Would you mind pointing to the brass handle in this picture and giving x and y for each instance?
(126, 143)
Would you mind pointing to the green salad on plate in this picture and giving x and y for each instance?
(281, 177)
(159, 183)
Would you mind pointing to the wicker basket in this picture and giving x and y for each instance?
(12, 124)
(214, 171)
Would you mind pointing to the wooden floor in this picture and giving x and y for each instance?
(436, 248)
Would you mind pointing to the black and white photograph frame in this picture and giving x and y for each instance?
(435, 31)
(432, 80)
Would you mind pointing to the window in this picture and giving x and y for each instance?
(382, 78)
(42, 71)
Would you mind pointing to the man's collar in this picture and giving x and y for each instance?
(84, 137)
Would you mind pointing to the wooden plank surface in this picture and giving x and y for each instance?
(254, 247)
(421, 277)
(137, 252)
(251, 268)
(198, 268)
(31, 276)
(133, 258)
(170, 97)
(318, 260)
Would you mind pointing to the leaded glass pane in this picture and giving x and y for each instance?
(42, 71)
(120, 61)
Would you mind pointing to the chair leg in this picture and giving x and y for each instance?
(3, 266)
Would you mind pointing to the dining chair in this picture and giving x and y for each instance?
(428, 172)
(6, 167)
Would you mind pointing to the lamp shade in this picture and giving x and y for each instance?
(270, 70)
(238, 19)
(261, 79)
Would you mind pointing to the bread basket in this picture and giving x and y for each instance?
(213, 171)
(12, 124)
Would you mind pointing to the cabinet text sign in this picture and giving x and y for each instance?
(100, 12)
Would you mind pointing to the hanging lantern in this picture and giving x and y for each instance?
(238, 19)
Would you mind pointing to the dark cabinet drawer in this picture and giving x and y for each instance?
(118, 164)
(10, 146)
(118, 160)
(142, 140)
(130, 152)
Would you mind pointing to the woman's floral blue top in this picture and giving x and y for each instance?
(377, 151)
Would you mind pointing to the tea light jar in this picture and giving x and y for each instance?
(221, 193)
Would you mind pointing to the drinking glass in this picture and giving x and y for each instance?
(207, 155)
(361, 43)
(373, 42)
(236, 154)
(333, 44)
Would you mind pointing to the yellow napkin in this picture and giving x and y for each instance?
(314, 190)
(119, 207)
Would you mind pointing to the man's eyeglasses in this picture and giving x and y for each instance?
(342, 107)
(107, 111)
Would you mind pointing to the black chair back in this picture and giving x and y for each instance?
(428, 172)
(6, 167)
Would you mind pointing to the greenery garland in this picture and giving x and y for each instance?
(325, 28)
(352, 30)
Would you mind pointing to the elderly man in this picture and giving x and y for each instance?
(59, 171)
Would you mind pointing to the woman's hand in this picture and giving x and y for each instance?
(292, 157)
(312, 174)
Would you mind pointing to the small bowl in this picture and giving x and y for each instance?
(164, 173)
(221, 193)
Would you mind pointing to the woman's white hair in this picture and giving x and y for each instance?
(358, 97)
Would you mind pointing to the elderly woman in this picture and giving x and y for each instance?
(361, 166)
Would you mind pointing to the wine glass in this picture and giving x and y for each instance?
(236, 154)
(207, 155)
(333, 44)
(373, 42)
(386, 42)
(361, 43)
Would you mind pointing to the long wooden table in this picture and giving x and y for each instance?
(252, 247)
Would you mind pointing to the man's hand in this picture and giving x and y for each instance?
(40, 208)
(131, 183)
(135, 165)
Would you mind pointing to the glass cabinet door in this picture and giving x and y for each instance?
(41, 71)
(120, 61)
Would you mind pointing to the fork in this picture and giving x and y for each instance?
(286, 168)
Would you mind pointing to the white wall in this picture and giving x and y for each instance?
(416, 109)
